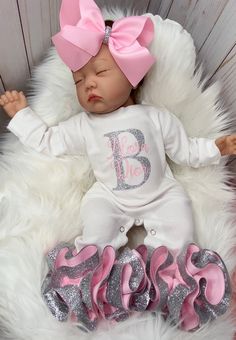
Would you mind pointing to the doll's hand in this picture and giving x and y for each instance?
(227, 145)
(12, 102)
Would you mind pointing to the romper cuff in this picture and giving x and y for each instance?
(22, 119)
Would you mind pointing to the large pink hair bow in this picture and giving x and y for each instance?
(83, 32)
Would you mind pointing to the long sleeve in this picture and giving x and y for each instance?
(184, 150)
(65, 138)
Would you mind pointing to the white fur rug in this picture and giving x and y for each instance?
(40, 195)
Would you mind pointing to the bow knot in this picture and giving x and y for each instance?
(107, 35)
(83, 31)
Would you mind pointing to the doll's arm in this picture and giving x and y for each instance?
(226, 145)
(185, 150)
(65, 138)
(12, 102)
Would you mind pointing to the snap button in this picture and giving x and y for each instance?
(122, 229)
(138, 222)
(153, 232)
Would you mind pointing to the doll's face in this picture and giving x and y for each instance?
(101, 86)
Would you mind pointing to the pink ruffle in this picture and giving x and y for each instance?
(190, 288)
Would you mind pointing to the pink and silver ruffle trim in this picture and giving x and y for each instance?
(190, 289)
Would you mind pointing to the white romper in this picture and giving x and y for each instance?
(127, 149)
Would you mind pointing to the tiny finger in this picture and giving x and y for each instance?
(9, 96)
(21, 94)
(15, 95)
(4, 99)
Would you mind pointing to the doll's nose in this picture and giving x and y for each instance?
(90, 83)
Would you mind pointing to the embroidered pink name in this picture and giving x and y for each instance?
(126, 148)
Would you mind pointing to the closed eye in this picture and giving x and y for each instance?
(78, 81)
(102, 71)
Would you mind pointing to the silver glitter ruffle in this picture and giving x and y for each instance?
(85, 287)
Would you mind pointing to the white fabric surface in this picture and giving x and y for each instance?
(135, 137)
(40, 195)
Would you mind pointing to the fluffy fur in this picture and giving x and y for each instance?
(40, 196)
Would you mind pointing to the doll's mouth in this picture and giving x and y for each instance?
(93, 97)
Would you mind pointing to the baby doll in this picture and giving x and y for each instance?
(126, 143)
